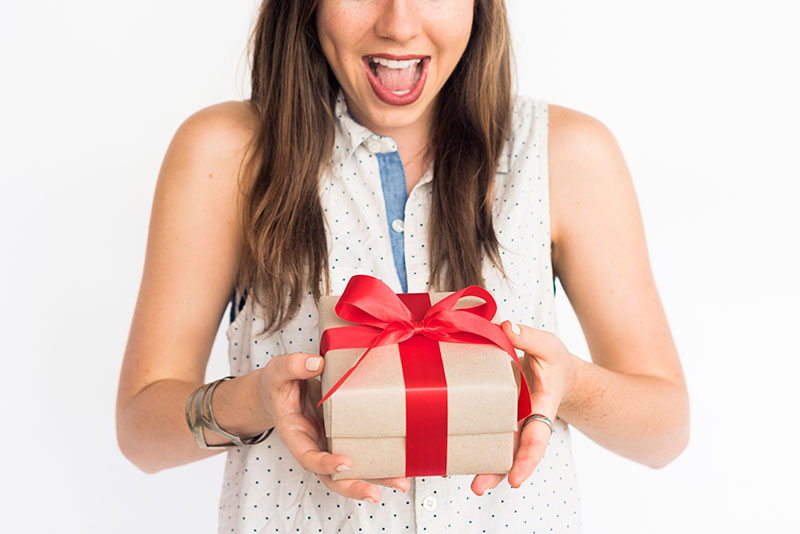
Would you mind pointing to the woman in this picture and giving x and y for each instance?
(381, 138)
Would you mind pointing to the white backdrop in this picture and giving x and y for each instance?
(701, 95)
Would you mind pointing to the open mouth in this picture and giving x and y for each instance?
(399, 76)
(397, 80)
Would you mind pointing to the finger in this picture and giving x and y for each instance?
(288, 378)
(353, 489)
(531, 440)
(481, 483)
(532, 444)
(401, 483)
(300, 435)
(311, 394)
(285, 368)
(532, 340)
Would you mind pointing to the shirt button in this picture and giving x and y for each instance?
(374, 145)
(429, 503)
(397, 225)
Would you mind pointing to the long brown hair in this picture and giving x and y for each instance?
(285, 254)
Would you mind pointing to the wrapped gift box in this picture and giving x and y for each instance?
(462, 420)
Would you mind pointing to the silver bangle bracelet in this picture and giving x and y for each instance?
(197, 418)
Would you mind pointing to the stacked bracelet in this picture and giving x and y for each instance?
(197, 418)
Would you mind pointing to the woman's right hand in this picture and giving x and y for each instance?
(289, 392)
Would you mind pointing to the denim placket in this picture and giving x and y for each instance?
(393, 182)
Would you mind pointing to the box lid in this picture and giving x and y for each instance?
(481, 386)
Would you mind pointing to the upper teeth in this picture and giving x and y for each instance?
(395, 64)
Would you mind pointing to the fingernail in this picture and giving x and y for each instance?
(369, 499)
(312, 364)
(515, 328)
(342, 467)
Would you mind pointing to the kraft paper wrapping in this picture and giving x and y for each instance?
(365, 418)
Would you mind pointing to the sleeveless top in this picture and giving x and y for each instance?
(265, 490)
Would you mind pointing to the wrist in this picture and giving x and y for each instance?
(576, 367)
(238, 406)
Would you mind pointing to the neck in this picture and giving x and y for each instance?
(411, 138)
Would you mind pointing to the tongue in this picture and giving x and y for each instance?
(396, 79)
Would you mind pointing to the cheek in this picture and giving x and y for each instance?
(451, 30)
(326, 31)
(338, 40)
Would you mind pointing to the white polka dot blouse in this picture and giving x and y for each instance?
(265, 490)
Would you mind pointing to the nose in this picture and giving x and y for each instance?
(398, 21)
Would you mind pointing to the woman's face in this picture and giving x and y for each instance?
(392, 57)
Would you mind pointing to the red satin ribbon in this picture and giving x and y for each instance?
(426, 397)
(385, 318)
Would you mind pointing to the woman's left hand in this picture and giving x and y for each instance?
(552, 374)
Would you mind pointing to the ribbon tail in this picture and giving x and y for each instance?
(343, 378)
(463, 327)
(524, 401)
(389, 336)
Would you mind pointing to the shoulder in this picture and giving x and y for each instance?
(205, 173)
(571, 131)
(219, 131)
(585, 165)
(209, 152)
(233, 116)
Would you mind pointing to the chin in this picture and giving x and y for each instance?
(383, 115)
(395, 118)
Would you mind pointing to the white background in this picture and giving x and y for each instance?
(701, 95)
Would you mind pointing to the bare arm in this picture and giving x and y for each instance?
(632, 398)
(192, 253)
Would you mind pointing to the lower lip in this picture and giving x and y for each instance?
(388, 96)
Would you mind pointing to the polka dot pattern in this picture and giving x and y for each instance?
(265, 490)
